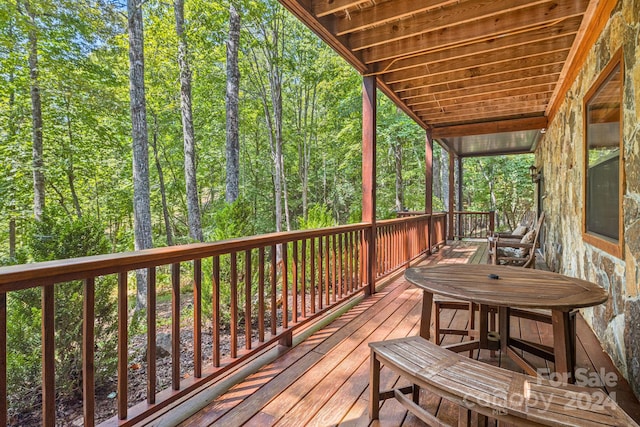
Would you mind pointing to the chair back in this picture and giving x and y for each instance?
(536, 234)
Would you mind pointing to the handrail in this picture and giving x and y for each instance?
(470, 224)
(285, 279)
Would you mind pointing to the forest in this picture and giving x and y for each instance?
(138, 124)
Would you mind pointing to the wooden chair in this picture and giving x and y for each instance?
(513, 252)
(528, 221)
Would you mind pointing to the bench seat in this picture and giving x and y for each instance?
(485, 389)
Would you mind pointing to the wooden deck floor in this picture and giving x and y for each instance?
(323, 380)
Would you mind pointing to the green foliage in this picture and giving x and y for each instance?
(319, 217)
(51, 239)
(233, 220)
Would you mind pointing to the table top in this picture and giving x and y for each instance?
(515, 286)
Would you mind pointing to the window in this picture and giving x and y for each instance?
(603, 187)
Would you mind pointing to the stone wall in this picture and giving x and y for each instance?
(561, 157)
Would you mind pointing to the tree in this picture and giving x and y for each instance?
(193, 199)
(36, 113)
(141, 197)
(233, 89)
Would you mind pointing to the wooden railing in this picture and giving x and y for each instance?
(473, 224)
(276, 283)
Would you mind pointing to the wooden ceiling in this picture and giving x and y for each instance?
(458, 67)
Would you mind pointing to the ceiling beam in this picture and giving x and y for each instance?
(394, 98)
(560, 29)
(479, 101)
(483, 117)
(327, 7)
(522, 87)
(383, 13)
(520, 20)
(503, 55)
(443, 18)
(483, 70)
(451, 114)
(479, 83)
(530, 123)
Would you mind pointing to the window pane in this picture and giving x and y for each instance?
(603, 157)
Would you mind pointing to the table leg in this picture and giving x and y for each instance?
(425, 320)
(562, 343)
(484, 326)
(504, 326)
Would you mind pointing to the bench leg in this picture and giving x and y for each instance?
(374, 387)
(415, 394)
(464, 417)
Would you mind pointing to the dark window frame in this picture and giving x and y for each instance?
(607, 244)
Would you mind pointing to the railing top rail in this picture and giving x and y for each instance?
(45, 273)
(473, 212)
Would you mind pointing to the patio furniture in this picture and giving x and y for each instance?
(507, 287)
(526, 223)
(490, 391)
(505, 251)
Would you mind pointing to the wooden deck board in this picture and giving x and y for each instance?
(324, 380)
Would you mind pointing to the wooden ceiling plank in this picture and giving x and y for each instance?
(519, 20)
(478, 83)
(504, 96)
(484, 106)
(383, 13)
(491, 116)
(563, 29)
(327, 7)
(530, 123)
(483, 59)
(544, 84)
(595, 19)
(460, 14)
(485, 70)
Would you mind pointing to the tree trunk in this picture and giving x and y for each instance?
(12, 238)
(163, 192)
(397, 154)
(68, 151)
(141, 197)
(233, 89)
(193, 200)
(437, 174)
(444, 168)
(36, 116)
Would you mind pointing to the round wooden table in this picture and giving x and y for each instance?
(514, 287)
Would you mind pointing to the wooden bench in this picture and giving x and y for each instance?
(489, 391)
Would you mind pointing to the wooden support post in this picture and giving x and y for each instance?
(428, 174)
(428, 186)
(451, 194)
(459, 194)
(369, 178)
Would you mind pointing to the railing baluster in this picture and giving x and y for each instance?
(122, 345)
(48, 357)
(340, 255)
(215, 288)
(303, 279)
(151, 335)
(294, 283)
(234, 304)
(327, 272)
(197, 318)
(88, 344)
(3, 360)
(285, 287)
(175, 326)
(247, 299)
(261, 294)
(312, 275)
(274, 308)
(320, 282)
(334, 277)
